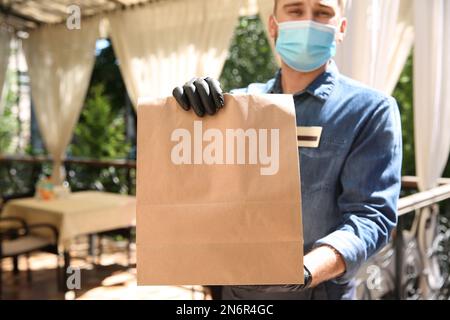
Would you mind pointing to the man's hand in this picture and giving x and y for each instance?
(322, 264)
(203, 95)
(325, 264)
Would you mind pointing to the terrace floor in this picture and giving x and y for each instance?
(109, 278)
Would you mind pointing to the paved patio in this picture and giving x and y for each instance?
(109, 278)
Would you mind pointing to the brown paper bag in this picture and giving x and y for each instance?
(209, 213)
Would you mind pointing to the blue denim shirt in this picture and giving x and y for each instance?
(351, 183)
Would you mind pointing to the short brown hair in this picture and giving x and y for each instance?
(342, 4)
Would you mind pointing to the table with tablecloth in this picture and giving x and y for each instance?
(78, 213)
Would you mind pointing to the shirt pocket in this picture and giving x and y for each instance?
(327, 147)
(320, 167)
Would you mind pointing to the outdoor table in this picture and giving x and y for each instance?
(80, 213)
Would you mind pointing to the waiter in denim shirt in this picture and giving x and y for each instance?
(350, 150)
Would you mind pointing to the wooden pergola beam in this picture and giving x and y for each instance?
(21, 11)
(8, 11)
(16, 23)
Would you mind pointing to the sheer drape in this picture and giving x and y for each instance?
(432, 89)
(378, 42)
(165, 44)
(431, 120)
(60, 63)
(4, 59)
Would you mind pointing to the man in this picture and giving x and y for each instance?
(351, 182)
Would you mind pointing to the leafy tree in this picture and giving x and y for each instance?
(106, 72)
(403, 93)
(250, 58)
(9, 124)
(8, 129)
(100, 133)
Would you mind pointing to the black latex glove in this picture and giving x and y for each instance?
(203, 95)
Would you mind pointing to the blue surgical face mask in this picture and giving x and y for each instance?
(306, 45)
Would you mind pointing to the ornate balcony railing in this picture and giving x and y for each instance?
(414, 265)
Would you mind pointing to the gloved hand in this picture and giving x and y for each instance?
(203, 95)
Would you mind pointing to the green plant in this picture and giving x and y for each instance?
(403, 93)
(250, 58)
(106, 72)
(9, 124)
(100, 132)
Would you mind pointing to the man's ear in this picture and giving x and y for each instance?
(273, 27)
(342, 30)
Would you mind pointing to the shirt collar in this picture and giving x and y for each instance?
(320, 88)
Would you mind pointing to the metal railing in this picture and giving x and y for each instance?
(21, 173)
(419, 251)
(425, 207)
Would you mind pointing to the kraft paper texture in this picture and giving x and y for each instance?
(218, 224)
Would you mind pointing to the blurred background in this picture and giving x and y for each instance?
(72, 72)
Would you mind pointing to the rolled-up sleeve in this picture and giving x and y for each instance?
(371, 182)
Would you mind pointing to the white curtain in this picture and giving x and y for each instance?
(60, 63)
(431, 89)
(378, 42)
(431, 118)
(164, 44)
(4, 59)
